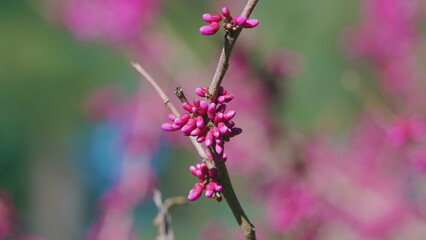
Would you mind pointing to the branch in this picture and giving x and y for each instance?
(228, 45)
(223, 64)
(228, 191)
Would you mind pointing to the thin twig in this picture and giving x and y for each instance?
(164, 219)
(170, 106)
(228, 45)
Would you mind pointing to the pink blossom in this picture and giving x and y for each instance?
(230, 23)
(406, 129)
(207, 181)
(209, 123)
(111, 20)
(388, 37)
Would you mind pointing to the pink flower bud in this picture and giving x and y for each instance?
(241, 20)
(230, 124)
(251, 23)
(213, 172)
(218, 187)
(203, 107)
(222, 91)
(168, 126)
(210, 29)
(200, 92)
(215, 131)
(219, 140)
(221, 99)
(197, 103)
(211, 111)
(187, 106)
(204, 169)
(219, 148)
(211, 17)
(224, 157)
(182, 120)
(199, 121)
(218, 118)
(209, 139)
(210, 189)
(195, 132)
(193, 170)
(194, 110)
(196, 192)
(218, 197)
(201, 139)
(226, 12)
(229, 97)
(223, 128)
(189, 126)
(171, 117)
(235, 132)
(221, 108)
(229, 115)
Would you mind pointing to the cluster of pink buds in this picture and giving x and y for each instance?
(208, 181)
(208, 122)
(229, 23)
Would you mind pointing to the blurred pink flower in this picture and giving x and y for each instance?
(7, 213)
(289, 204)
(110, 20)
(406, 129)
(388, 37)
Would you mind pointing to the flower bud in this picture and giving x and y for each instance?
(201, 139)
(226, 12)
(168, 126)
(189, 126)
(211, 111)
(219, 148)
(201, 92)
(209, 139)
(229, 115)
(241, 20)
(213, 172)
(215, 131)
(187, 106)
(251, 23)
(197, 103)
(210, 29)
(210, 189)
(218, 117)
(196, 192)
(171, 117)
(203, 107)
(223, 128)
(182, 120)
(221, 108)
(235, 132)
(211, 17)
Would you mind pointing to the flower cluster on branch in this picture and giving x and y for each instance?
(229, 23)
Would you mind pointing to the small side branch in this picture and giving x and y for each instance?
(164, 219)
(169, 105)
